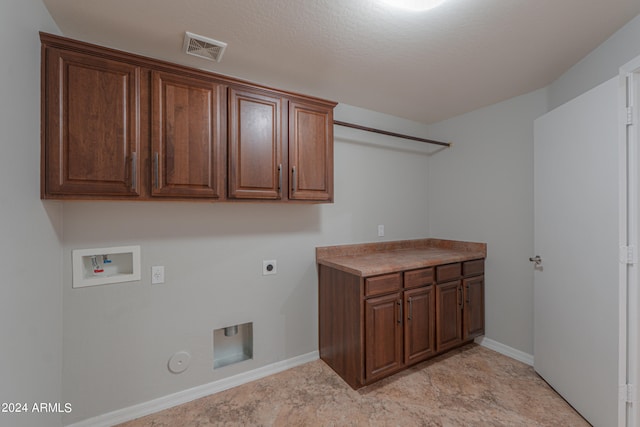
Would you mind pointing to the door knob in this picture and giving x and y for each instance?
(537, 261)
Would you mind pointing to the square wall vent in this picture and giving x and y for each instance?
(203, 47)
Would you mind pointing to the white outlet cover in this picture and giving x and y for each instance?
(157, 274)
(269, 267)
(179, 362)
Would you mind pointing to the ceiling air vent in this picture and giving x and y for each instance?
(203, 47)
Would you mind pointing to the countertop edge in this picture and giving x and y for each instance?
(343, 257)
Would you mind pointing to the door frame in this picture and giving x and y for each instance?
(628, 374)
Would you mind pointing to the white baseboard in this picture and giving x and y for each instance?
(506, 350)
(166, 402)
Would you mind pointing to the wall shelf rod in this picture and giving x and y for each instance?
(397, 135)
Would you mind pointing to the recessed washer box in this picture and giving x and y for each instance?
(101, 266)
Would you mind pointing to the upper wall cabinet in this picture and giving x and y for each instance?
(91, 126)
(255, 144)
(121, 126)
(277, 152)
(310, 151)
(186, 142)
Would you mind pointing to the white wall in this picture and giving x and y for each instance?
(599, 66)
(481, 189)
(118, 338)
(30, 251)
(492, 200)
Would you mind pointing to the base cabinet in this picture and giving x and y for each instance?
(473, 288)
(419, 325)
(383, 340)
(449, 314)
(403, 318)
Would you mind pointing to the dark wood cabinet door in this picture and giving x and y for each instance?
(448, 315)
(255, 145)
(91, 125)
(419, 326)
(187, 157)
(473, 307)
(383, 336)
(310, 151)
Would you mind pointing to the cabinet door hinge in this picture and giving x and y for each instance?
(628, 255)
(629, 116)
(627, 393)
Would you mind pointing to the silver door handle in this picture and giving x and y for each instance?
(294, 178)
(538, 262)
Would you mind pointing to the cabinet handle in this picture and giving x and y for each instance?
(399, 311)
(410, 308)
(468, 295)
(156, 172)
(134, 171)
(460, 296)
(279, 178)
(294, 179)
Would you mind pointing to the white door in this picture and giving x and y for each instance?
(576, 307)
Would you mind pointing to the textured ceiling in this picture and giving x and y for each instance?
(425, 66)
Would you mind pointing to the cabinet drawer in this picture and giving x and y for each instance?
(379, 285)
(473, 268)
(448, 272)
(415, 278)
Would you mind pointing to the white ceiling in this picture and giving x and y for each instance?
(425, 66)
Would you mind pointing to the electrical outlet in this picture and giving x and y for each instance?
(380, 230)
(269, 267)
(157, 274)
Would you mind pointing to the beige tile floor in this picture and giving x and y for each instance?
(471, 386)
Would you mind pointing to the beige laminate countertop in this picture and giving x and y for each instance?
(371, 259)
